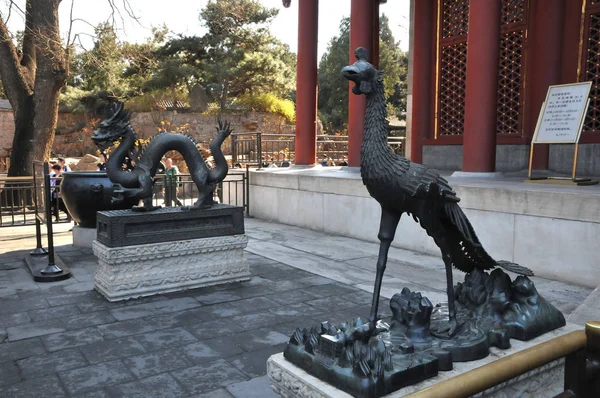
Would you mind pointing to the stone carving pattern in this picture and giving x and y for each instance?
(168, 249)
(289, 386)
(133, 275)
(134, 271)
(548, 379)
(145, 264)
(109, 283)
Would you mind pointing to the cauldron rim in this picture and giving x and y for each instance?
(85, 173)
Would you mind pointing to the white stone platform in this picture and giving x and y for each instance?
(550, 229)
(289, 381)
(144, 270)
(83, 237)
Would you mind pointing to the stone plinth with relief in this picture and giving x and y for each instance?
(290, 381)
(174, 257)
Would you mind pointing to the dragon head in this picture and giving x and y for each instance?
(362, 73)
(113, 127)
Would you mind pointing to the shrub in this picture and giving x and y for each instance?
(268, 103)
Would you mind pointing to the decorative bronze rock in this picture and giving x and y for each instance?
(491, 310)
(136, 181)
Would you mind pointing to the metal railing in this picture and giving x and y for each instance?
(263, 149)
(234, 190)
(580, 349)
(17, 201)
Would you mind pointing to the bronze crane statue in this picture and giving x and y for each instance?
(401, 186)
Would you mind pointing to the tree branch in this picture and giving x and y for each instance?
(71, 20)
(28, 57)
(15, 83)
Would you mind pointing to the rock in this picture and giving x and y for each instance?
(198, 98)
(319, 126)
(250, 125)
(86, 163)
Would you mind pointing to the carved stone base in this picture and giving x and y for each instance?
(290, 381)
(83, 237)
(144, 270)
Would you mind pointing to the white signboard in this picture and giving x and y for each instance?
(562, 115)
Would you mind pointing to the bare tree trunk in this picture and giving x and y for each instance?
(33, 82)
(22, 153)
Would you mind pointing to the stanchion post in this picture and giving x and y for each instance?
(39, 249)
(51, 268)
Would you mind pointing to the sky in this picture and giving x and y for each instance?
(181, 16)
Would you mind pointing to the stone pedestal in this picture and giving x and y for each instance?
(83, 237)
(290, 381)
(168, 250)
(144, 270)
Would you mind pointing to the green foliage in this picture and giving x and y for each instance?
(2, 93)
(394, 63)
(148, 100)
(236, 56)
(333, 88)
(110, 69)
(101, 68)
(71, 99)
(269, 103)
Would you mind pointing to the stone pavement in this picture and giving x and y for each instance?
(63, 339)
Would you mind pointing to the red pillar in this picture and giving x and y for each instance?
(570, 41)
(483, 43)
(306, 82)
(423, 77)
(361, 35)
(546, 54)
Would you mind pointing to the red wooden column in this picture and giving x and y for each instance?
(483, 43)
(361, 35)
(423, 78)
(546, 57)
(306, 82)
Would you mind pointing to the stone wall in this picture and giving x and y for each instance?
(73, 131)
(7, 127)
(512, 158)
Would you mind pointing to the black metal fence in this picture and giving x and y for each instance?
(17, 199)
(234, 190)
(264, 149)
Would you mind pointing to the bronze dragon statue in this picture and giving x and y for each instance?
(136, 182)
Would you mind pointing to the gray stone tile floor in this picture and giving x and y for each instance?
(65, 340)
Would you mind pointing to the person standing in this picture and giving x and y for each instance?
(57, 203)
(102, 163)
(171, 183)
(63, 165)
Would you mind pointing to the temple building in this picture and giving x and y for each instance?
(480, 73)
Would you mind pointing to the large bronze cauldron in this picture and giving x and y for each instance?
(85, 193)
